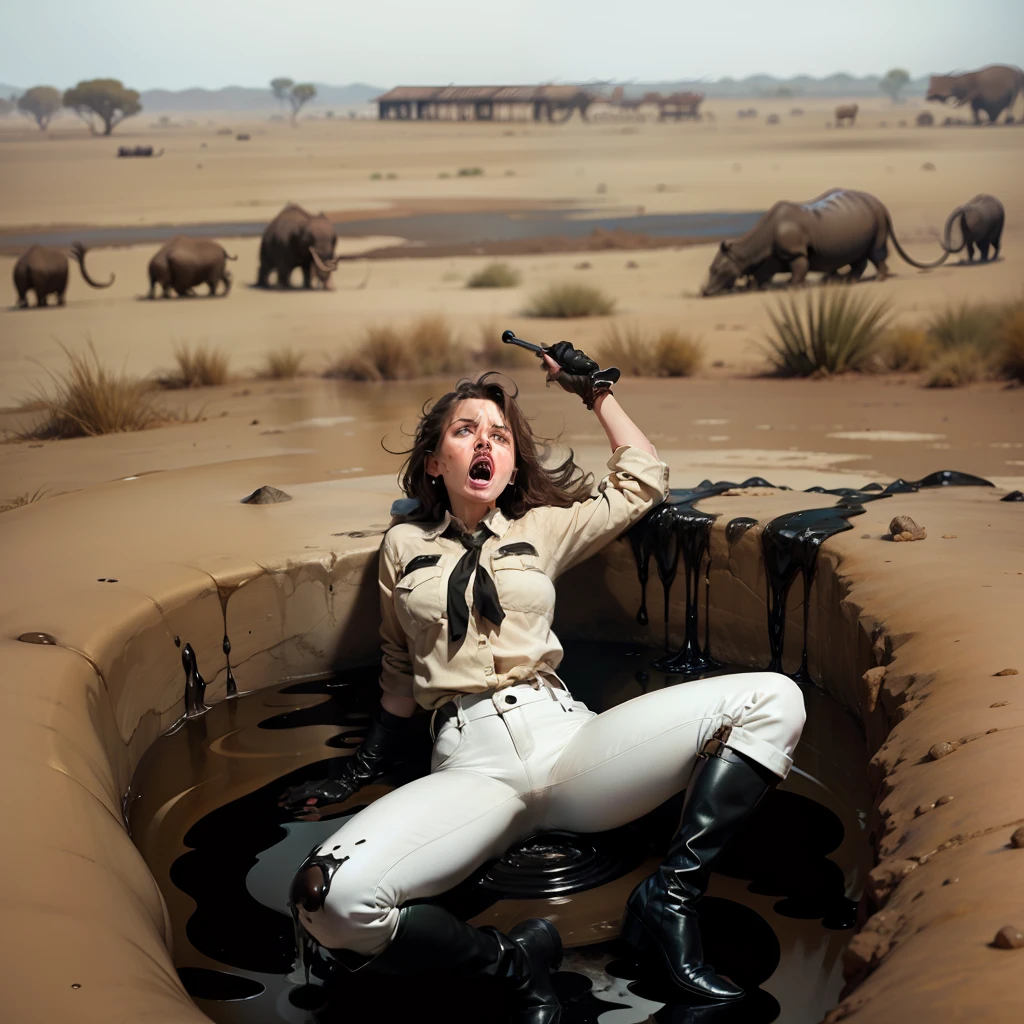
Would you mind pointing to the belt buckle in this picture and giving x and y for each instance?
(718, 740)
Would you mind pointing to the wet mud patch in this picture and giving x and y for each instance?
(776, 918)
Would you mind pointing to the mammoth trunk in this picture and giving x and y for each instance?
(910, 259)
(956, 217)
(78, 252)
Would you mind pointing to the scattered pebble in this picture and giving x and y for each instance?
(255, 423)
(266, 495)
(1017, 839)
(943, 800)
(949, 536)
(922, 809)
(865, 536)
(937, 750)
(1008, 938)
(46, 639)
(1006, 672)
(928, 166)
(904, 528)
(951, 881)
(582, 266)
(999, 704)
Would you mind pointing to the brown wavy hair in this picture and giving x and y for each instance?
(535, 484)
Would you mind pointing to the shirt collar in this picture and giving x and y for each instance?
(495, 521)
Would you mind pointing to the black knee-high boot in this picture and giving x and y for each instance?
(429, 938)
(661, 913)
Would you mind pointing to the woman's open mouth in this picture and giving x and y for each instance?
(480, 471)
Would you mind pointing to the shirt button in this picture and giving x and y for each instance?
(510, 699)
(489, 671)
(482, 642)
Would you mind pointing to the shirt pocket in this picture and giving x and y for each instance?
(522, 583)
(417, 597)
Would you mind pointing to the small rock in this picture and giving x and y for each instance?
(1008, 938)
(255, 423)
(865, 536)
(266, 495)
(928, 166)
(999, 704)
(602, 189)
(718, 364)
(47, 639)
(1006, 672)
(922, 809)
(949, 536)
(951, 881)
(904, 528)
(937, 750)
(582, 266)
(632, 265)
(943, 800)
(872, 680)
(1017, 839)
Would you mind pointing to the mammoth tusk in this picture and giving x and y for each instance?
(324, 268)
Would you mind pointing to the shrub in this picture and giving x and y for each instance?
(962, 364)
(829, 329)
(90, 399)
(495, 275)
(282, 364)
(570, 300)
(426, 348)
(199, 367)
(470, 172)
(974, 324)
(1010, 354)
(667, 354)
(22, 499)
(905, 349)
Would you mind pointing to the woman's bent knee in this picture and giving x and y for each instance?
(341, 910)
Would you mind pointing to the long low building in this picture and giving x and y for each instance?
(484, 103)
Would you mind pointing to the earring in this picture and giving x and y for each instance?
(433, 480)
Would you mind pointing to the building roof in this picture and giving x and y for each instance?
(481, 93)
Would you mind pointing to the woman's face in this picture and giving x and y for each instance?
(476, 456)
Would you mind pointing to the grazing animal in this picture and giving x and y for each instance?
(44, 270)
(184, 263)
(992, 89)
(839, 228)
(846, 112)
(295, 238)
(981, 224)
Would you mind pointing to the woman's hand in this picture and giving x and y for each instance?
(576, 373)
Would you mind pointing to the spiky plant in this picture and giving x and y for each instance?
(828, 329)
(495, 275)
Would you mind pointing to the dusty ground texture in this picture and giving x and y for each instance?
(158, 510)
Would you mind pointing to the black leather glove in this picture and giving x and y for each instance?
(579, 374)
(390, 741)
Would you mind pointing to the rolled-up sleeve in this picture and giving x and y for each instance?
(637, 482)
(396, 663)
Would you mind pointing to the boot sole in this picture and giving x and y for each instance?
(635, 934)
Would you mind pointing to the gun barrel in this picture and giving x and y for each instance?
(509, 338)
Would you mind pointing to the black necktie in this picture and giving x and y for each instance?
(485, 594)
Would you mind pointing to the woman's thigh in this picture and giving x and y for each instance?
(626, 761)
(417, 841)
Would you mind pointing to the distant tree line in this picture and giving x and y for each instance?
(102, 103)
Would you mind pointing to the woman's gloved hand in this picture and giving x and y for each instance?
(390, 741)
(577, 373)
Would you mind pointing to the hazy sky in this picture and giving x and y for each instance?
(213, 43)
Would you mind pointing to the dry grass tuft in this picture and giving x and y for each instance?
(904, 350)
(973, 324)
(22, 499)
(199, 367)
(570, 300)
(962, 364)
(1010, 355)
(829, 330)
(667, 354)
(282, 364)
(90, 399)
(426, 348)
(495, 275)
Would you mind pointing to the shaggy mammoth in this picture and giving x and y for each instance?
(184, 263)
(839, 228)
(295, 238)
(981, 224)
(44, 270)
(992, 89)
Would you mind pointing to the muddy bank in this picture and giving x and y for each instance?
(292, 585)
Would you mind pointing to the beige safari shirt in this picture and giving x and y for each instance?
(523, 556)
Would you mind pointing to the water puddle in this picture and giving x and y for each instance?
(202, 810)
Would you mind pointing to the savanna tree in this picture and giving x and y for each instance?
(280, 87)
(102, 101)
(894, 83)
(8, 107)
(299, 96)
(42, 103)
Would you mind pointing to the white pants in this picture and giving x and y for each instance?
(510, 763)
